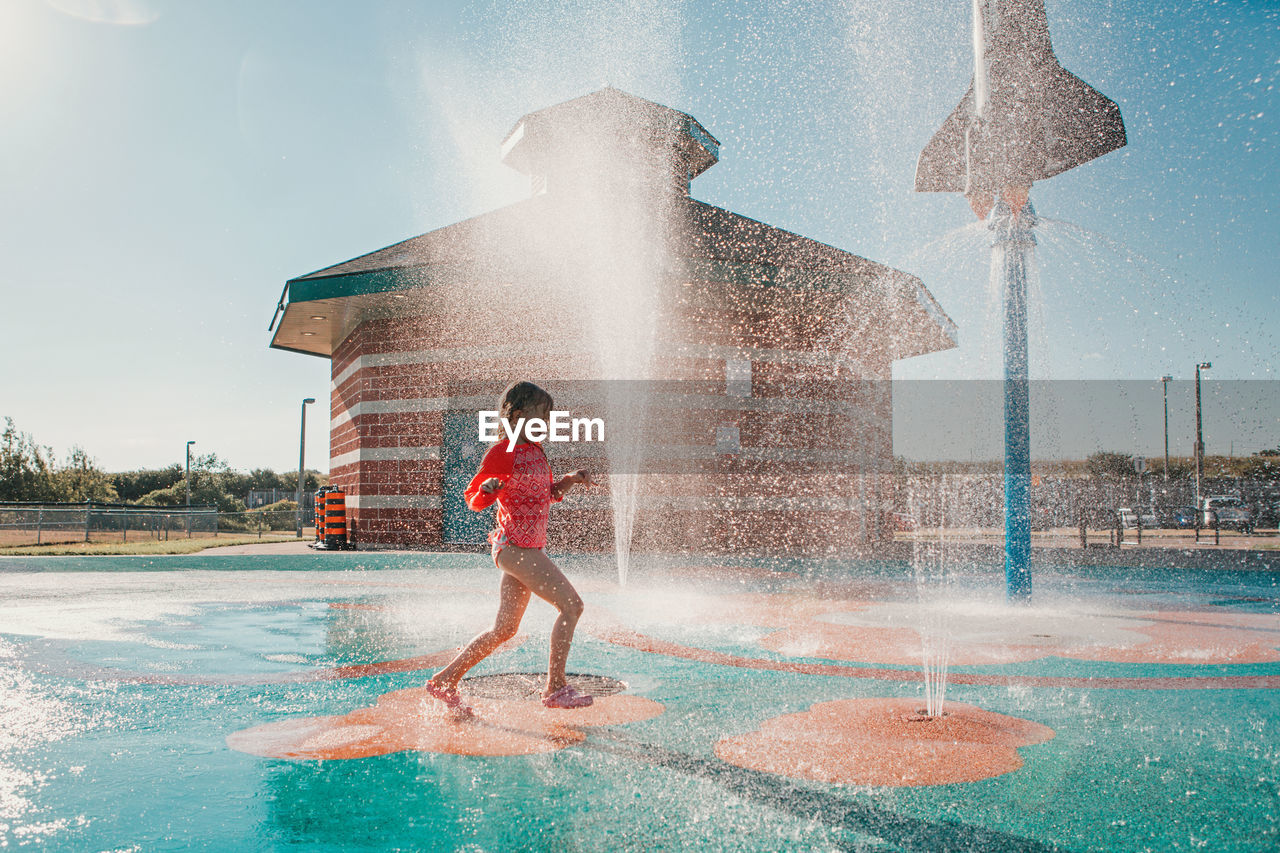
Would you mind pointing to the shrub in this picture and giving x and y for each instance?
(281, 515)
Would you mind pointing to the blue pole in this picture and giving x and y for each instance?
(1012, 246)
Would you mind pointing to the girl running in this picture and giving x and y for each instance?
(518, 476)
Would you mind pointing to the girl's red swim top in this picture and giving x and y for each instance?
(525, 498)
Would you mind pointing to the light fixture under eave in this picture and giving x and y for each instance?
(308, 334)
(318, 317)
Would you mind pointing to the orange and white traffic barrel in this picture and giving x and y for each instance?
(319, 512)
(335, 519)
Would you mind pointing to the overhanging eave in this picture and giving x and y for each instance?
(320, 313)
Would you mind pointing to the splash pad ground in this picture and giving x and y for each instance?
(267, 702)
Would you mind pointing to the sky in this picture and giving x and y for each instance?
(166, 165)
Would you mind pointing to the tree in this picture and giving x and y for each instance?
(133, 485)
(265, 478)
(204, 492)
(311, 480)
(1105, 465)
(25, 467)
(212, 481)
(80, 479)
(1261, 466)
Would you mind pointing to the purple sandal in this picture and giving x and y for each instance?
(567, 697)
(449, 696)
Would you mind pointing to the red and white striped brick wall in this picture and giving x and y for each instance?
(813, 423)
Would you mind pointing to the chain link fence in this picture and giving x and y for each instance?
(1083, 512)
(1076, 511)
(23, 524)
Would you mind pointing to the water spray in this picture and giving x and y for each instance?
(1025, 118)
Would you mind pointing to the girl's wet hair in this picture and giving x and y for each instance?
(521, 397)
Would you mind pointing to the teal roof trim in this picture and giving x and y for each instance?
(370, 283)
(700, 136)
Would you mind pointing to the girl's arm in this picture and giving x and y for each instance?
(495, 465)
(561, 487)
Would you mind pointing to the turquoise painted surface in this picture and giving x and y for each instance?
(89, 761)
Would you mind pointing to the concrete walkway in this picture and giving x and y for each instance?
(300, 546)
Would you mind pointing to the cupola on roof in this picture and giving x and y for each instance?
(609, 131)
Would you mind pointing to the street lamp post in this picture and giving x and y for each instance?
(188, 477)
(1204, 365)
(1164, 382)
(302, 451)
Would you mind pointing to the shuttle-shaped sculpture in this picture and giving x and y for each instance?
(1025, 117)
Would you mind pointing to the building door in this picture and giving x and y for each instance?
(461, 451)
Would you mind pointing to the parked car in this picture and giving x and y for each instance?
(1180, 517)
(1129, 517)
(1230, 511)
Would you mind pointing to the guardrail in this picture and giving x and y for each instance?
(1121, 525)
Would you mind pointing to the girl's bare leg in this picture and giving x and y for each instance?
(513, 599)
(537, 574)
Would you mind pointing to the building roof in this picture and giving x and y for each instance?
(705, 232)
(709, 242)
(605, 147)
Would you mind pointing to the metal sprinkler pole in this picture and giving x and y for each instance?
(1013, 243)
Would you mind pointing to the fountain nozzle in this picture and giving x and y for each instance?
(923, 716)
(1014, 197)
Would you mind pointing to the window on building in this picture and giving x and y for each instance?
(737, 377)
(728, 440)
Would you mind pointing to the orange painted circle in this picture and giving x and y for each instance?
(872, 742)
(412, 720)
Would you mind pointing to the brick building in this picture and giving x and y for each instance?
(771, 426)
